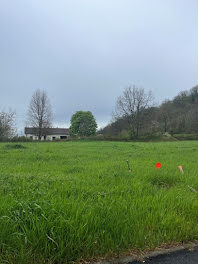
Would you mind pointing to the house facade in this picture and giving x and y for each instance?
(47, 133)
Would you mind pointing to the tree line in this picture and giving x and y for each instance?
(137, 116)
(39, 116)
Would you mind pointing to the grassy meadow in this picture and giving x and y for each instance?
(70, 201)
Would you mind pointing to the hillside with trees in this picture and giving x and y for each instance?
(136, 116)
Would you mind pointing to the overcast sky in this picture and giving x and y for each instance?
(83, 53)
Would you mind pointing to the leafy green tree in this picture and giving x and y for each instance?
(83, 123)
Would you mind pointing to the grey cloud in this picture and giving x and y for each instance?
(83, 53)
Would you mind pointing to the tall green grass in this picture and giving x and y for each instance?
(63, 202)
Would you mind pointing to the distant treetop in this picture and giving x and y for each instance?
(83, 123)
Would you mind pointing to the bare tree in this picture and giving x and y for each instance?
(131, 104)
(191, 119)
(39, 113)
(165, 114)
(194, 94)
(7, 122)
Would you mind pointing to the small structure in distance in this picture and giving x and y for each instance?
(47, 133)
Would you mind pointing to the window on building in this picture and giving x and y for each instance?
(63, 137)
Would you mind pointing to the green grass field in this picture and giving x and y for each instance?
(69, 201)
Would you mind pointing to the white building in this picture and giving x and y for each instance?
(47, 133)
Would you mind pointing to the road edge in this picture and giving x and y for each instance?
(150, 254)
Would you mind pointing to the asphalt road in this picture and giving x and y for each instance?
(180, 257)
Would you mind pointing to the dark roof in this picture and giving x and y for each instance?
(47, 131)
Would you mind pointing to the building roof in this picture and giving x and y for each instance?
(47, 131)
